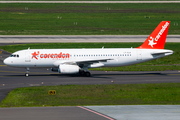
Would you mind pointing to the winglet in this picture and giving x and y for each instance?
(157, 38)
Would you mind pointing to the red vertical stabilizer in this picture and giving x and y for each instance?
(157, 38)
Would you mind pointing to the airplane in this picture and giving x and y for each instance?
(73, 61)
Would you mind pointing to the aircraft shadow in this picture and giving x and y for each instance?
(93, 75)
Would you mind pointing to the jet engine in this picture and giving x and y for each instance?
(68, 69)
(55, 69)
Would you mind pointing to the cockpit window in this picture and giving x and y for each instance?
(14, 55)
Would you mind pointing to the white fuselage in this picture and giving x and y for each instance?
(55, 57)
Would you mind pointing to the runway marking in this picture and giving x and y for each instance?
(3, 65)
(95, 112)
(11, 71)
(173, 74)
(23, 72)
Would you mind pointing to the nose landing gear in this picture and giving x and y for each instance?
(27, 72)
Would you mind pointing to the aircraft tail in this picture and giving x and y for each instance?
(157, 38)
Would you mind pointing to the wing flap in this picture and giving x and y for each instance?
(81, 62)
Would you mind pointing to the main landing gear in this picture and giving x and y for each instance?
(27, 72)
(84, 73)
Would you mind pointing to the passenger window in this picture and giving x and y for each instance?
(17, 55)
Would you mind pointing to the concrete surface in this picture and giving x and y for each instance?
(140, 112)
(78, 38)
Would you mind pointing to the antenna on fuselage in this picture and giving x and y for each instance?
(103, 47)
(28, 48)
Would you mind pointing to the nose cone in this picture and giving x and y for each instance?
(6, 61)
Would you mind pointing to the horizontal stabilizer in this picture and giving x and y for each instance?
(162, 52)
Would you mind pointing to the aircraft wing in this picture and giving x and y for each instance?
(92, 61)
(84, 63)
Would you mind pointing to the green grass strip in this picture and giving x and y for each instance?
(86, 19)
(114, 94)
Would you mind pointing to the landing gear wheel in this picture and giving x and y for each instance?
(81, 73)
(87, 74)
(26, 74)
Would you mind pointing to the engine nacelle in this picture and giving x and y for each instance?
(68, 69)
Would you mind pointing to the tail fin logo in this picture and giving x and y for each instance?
(151, 42)
(157, 38)
(161, 31)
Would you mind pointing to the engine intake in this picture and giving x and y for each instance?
(55, 69)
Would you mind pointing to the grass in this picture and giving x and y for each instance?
(91, 19)
(13, 48)
(115, 94)
(171, 62)
(92, 0)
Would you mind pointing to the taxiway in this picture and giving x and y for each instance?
(11, 39)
